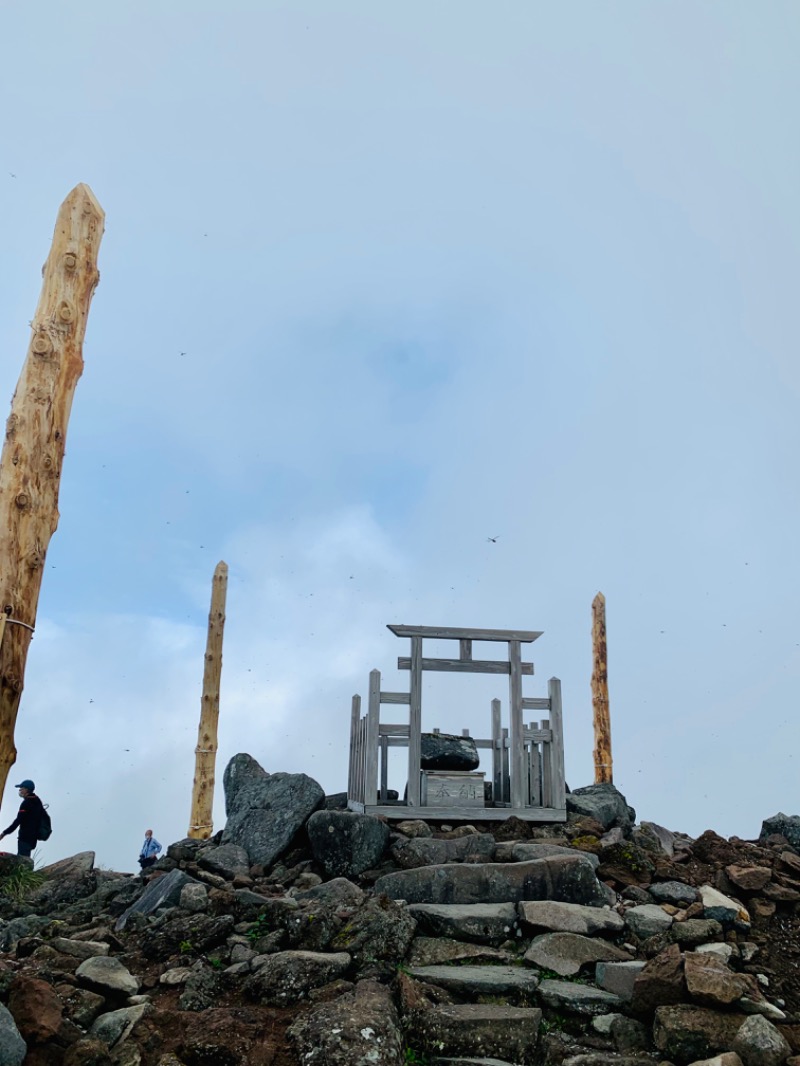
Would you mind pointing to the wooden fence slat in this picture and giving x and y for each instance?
(384, 744)
(535, 703)
(497, 741)
(547, 771)
(402, 698)
(459, 666)
(373, 725)
(558, 798)
(518, 768)
(355, 716)
(415, 722)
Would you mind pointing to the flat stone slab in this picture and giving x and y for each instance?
(566, 879)
(437, 951)
(618, 977)
(480, 1029)
(480, 980)
(578, 999)
(527, 850)
(567, 953)
(483, 923)
(571, 918)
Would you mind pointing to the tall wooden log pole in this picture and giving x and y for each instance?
(36, 432)
(200, 821)
(603, 763)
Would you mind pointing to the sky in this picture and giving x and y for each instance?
(378, 283)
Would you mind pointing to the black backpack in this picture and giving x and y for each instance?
(45, 825)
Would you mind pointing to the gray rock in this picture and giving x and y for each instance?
(604, 803)
(629, 1035)
(161, 892)
(720, 908)
(759, 1043)
(482, 923)
(265, 811)
(647, 920)
(473, 981)
(359, 1028)
(568, 953)
(200, 931)
(186, 850)
(227, 860)
(565, 879)
(685, 1033)
(82, 1006)
(444, 751)
(107, 976)
(486, 1030)
(79, 949)
(380, 930)
(571, 918)
(194, 899)
(13, 1048)
(17, 928)
(786, 825)
(421, 851)
(663, 838)
(67, 881)
(200, 991)
(339, 891)
(414, 827)
(116, 1026)
(289, 976)
(695, 931)
(527, 850)
(578, 999)
(439, 951)
(345, 843)
(618, 977)
(674, 892)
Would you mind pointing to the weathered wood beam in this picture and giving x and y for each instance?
(459, 666)
(603, 762)
(525, 636)
(36, 433)
(205, 754)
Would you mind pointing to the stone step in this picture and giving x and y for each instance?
(473, 981)
(483, 923)
(566, 879)
(575, 998)
(476, 1029)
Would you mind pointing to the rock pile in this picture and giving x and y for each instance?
(303, 934)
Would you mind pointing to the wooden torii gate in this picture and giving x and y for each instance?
(527, 763)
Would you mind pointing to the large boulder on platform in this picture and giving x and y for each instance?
(565, 879)
(785, 825)
(161, 892)
(345, 843)
(265, 811)
(604, 803)
(444, 751)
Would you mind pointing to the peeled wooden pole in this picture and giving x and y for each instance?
(603, 763)
(200, 821)
(36, 431)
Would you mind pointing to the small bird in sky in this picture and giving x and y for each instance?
(493, 540)
(11, 175)
(183, 353)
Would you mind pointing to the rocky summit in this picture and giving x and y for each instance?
(306, 935)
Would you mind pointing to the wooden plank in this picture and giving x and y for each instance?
(557, 779)
(518, 768)
(355, 717)
(32, 461)
(465, 650)
(384, 746)
(201, 823)
(373, 727)
(497, 742)
(535, 771)
(535, 703)
(415, 721)
(457, 666)
(525, 636)
(396, 697)
(603, 762)
(547, 772)
(390, 730)
(399, 812)
(537, 736)
(505, 789)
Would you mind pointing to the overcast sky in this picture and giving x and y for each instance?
(380, 282)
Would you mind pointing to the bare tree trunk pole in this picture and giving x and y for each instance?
(36, 431)
(603, 763)
(201, 821)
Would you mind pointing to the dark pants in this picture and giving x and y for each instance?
(150, 861)
(25, 847)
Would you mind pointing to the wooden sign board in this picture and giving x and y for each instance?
(452, 788)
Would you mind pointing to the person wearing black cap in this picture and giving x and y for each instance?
(28, 819)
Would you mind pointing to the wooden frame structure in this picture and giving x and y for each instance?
(527, 761)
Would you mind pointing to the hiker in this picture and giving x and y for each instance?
(28, 819)
(150, 849)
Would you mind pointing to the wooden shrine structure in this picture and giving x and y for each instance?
(527, 775)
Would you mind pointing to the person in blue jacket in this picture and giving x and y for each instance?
(28, 820)
(150, 849)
